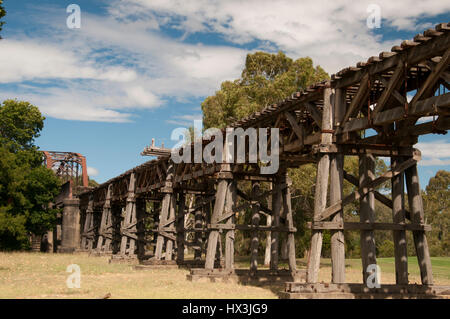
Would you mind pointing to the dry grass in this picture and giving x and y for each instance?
(36, 275)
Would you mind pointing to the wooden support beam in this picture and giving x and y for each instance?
(298, 130)
(398, 217)
(171, 217)
(163, 216)
(198, 223)
(276, 209)
(367, 213)
(412, 56)
(421, 108)
(140, 226)
(130, 217)
(315, 113)
(336, 192)
(230, 205)
(180, 226)
(268, 234)
(250, 199)
(378, 196)
(321, 189)
(425, 88)
(417, 216)
(104, 241)
(214, 234)
(392, 86)
(87, 238)
(337, 237)
(362, 191)
(287, 209)
(358, 226)
(320, 200)
(358, 99)
(254, 236)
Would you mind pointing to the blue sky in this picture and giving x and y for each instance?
(137, 69)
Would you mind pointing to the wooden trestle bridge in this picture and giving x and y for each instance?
(369, 110)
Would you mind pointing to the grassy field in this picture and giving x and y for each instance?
(36, 275)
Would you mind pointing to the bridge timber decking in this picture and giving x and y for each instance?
(383, 98)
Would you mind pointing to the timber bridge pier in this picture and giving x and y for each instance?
(377, 108)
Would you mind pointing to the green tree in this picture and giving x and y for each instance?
(437, 213)
(266, 79)
(93, 183)
(26, 186)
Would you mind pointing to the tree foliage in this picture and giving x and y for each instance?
(266, 79)
(437, 213)
(26, 186)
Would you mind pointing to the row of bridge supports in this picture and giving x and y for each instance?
(206, 217)
(203, 221)
(207, 221)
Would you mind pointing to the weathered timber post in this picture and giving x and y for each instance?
(207, 214)
(276, 210)
(255, 222)
(166, 220)
(140, 227)
(213, 237)
(367, 212)
(87, 241)
(229, 235)
(336, 191)
(198, 223)
(287, 208)
(337, 236)
(268, 234)
(155, 213)
(70, 230)
(180, 215)
(170, 228)
(116, 220)
(105, 230)
(163, 217)
(398, 217)
(128, 229)
(320, 198)
(417, 217)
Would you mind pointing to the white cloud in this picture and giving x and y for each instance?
(436, 153)
(141, 96)
(186, 120)
(435, 162)
(333, 33)
(109, 68)
(119, 63)
(92, 171)
(29, 60)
